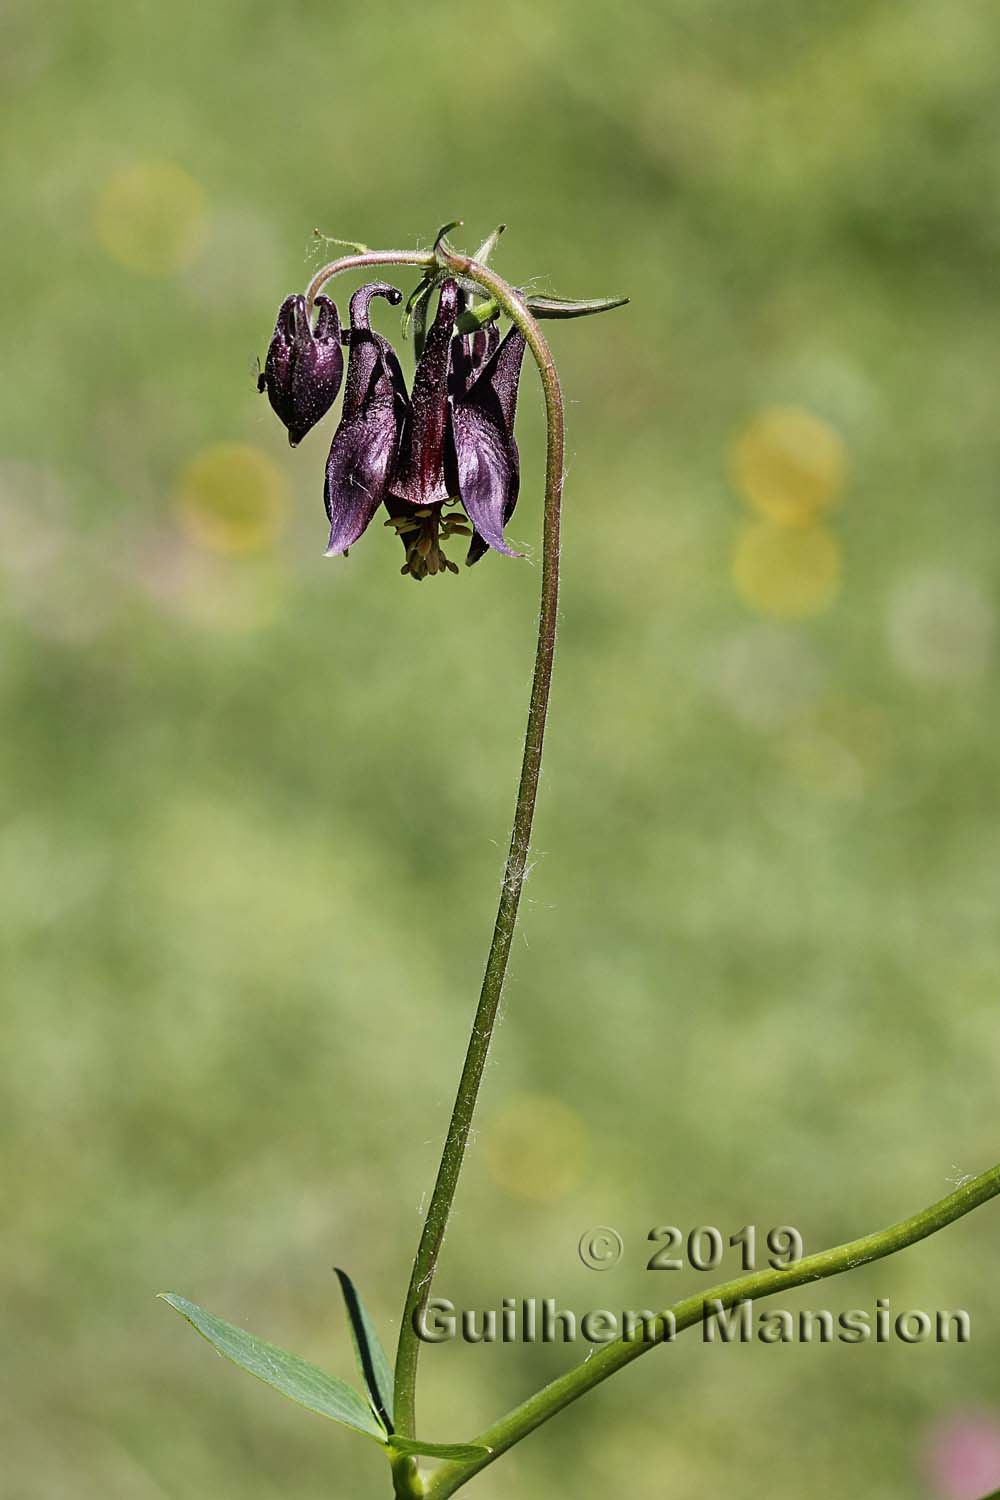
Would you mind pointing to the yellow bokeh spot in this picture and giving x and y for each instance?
(788, 465)
(535, 1147)
(231, 498)
(839, 750)
(150, 217)
(787, 573)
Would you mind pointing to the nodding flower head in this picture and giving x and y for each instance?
(441, 458)
(304, 366)
(449, 444)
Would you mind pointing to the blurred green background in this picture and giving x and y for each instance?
(255, 802)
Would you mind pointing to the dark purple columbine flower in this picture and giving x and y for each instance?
(449, 442)
(304, 366)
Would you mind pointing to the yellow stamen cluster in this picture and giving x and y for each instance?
(423, 531)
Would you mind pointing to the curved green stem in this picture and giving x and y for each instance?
(513, 878)
(685, 1314)
(460, 1124)
(363, 258)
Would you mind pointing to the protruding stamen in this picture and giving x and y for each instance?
(422, 532)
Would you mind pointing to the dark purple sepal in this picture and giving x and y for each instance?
(304, 366)
(419, 476)
(362, 451)
(486, 460)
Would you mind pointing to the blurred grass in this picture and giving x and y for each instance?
(254, 805)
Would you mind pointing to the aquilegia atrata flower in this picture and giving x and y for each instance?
(437, 458)
(449, 442)
(304, 367)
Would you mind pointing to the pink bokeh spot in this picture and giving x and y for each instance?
(963, 1457)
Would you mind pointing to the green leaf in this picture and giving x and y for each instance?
(540, 307)
(376, 1371)
(460, 1452)
(568, 307)
(293, 1377)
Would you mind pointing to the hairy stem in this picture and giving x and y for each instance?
(513, 876)
(363, 259)
(693, 1310)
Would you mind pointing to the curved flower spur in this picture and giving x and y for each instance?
(442, 458)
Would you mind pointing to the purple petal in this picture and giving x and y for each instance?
(478, 546)
(303, 370)
(363, 448)
(291, 316)
(317, 369)
(327, 320)
(488, 477)
(275, 377)
(362, 300)
(419, 477)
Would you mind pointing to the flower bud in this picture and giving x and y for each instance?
(304, 366)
